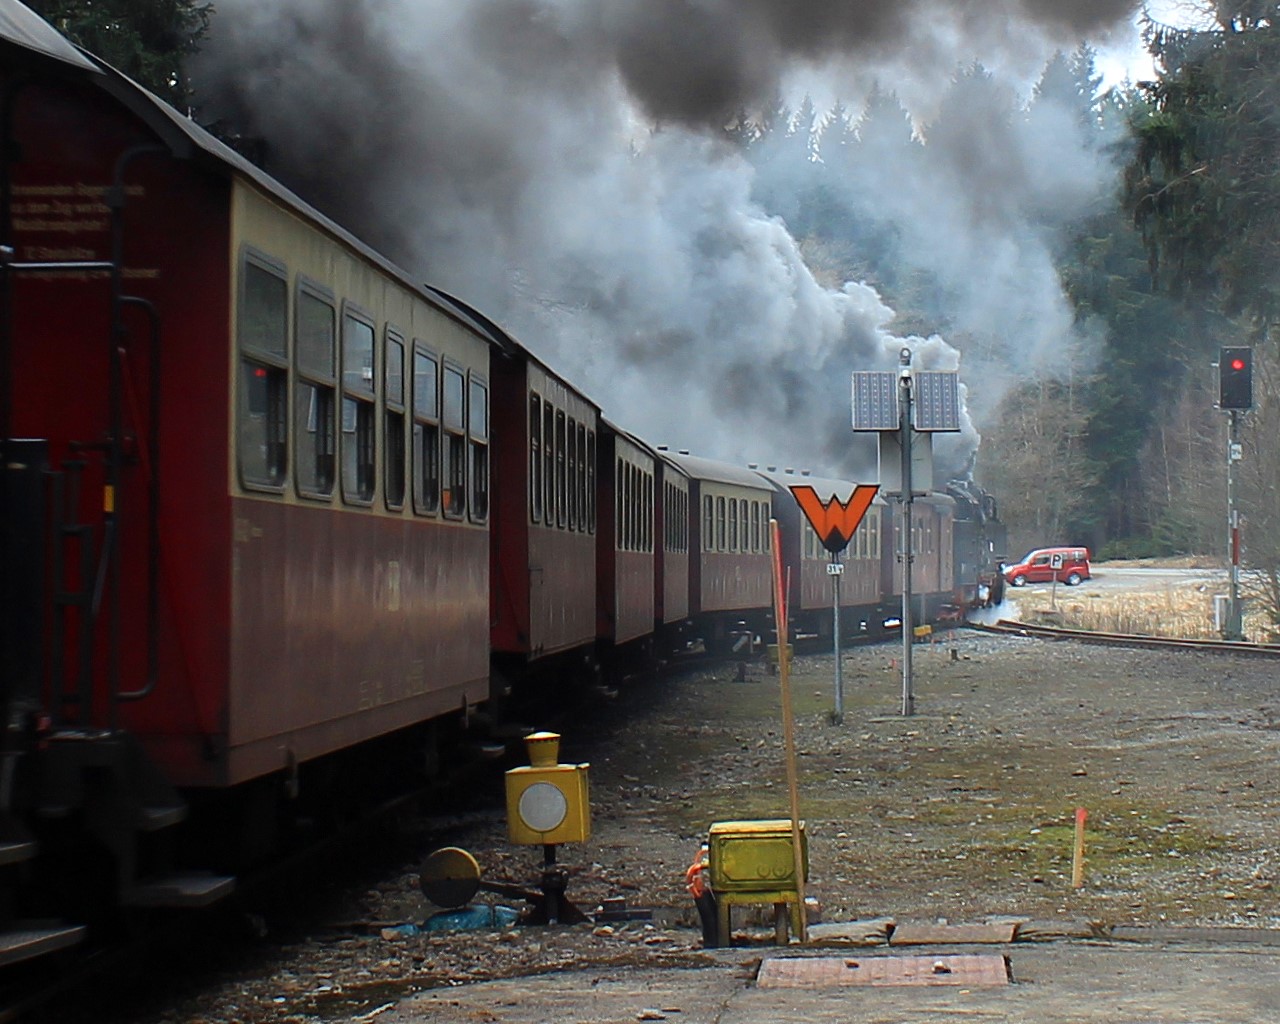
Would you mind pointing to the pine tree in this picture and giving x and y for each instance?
(1202, 184)
(145, 39)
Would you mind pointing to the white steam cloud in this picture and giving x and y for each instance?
(556, 163)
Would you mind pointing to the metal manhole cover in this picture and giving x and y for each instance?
(969, 970)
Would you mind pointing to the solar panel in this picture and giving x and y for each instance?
(936, 400)
(875, 400)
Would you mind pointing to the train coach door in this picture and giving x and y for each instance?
(22, 516)
(80, 376)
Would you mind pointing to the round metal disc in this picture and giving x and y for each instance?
(449, 877)
(542, 806)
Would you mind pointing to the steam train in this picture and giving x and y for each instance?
(268, 501)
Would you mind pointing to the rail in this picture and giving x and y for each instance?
(1007, 627)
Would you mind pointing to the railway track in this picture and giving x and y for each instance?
(1006, 627)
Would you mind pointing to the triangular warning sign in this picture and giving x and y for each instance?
(836, 521)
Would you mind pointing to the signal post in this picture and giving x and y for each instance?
(898, 407)
(1235, 397)
(835, 523)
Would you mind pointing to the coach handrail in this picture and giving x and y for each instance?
(115, 199)
(152, 466)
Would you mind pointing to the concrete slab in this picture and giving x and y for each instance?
(909, 934)
(962, 970)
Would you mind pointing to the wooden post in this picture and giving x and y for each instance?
(1077, 860)
(788, 730)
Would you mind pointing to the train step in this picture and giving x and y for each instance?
(194, 889)
(25, 940)
(154, 818)
(13, 851)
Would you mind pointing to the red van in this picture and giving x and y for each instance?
(1067, 565)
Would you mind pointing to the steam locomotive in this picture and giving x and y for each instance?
(267, 501)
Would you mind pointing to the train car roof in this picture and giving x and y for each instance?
(827, 487)
(698, 468)
(25, 34)
(663, 453)
(507, 342)
(635, 439)
(186, 140)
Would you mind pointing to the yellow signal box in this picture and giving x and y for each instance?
(548, 802)
(755, 856)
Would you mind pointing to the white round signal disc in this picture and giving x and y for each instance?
(542, 807)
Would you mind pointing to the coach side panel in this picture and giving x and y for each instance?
(359, 477)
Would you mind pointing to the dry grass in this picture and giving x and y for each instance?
(1182, 612)
(1173, 613)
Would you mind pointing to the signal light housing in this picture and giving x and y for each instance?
(1235, 378)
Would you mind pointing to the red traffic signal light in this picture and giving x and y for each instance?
(1235, 378)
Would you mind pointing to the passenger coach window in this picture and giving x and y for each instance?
(314, 393)
(262, 433)
(720, 524)
(677, 516)
(426, 433)
(624, 488)
(708, 524)
(478, 444)
(393, 383)
(357, 409)
(591, 481)
(573, 473)
(455, 426)
(535, 458)
(561, 483)
(549, 462)
(619, 505)
(581, 475)
(632, 528)
(648, 511)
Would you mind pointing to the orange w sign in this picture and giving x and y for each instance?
(835, 520)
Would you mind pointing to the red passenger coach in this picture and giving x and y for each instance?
(932, 546)
(730, 576)
(253, 483)
(546, 512)
(671, 566)
(625, 540)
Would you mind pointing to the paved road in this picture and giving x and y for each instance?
(1107, 579)
(1052, 983)
(1145, 580)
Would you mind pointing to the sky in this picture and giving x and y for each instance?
(1124, 57)
(559, 165)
